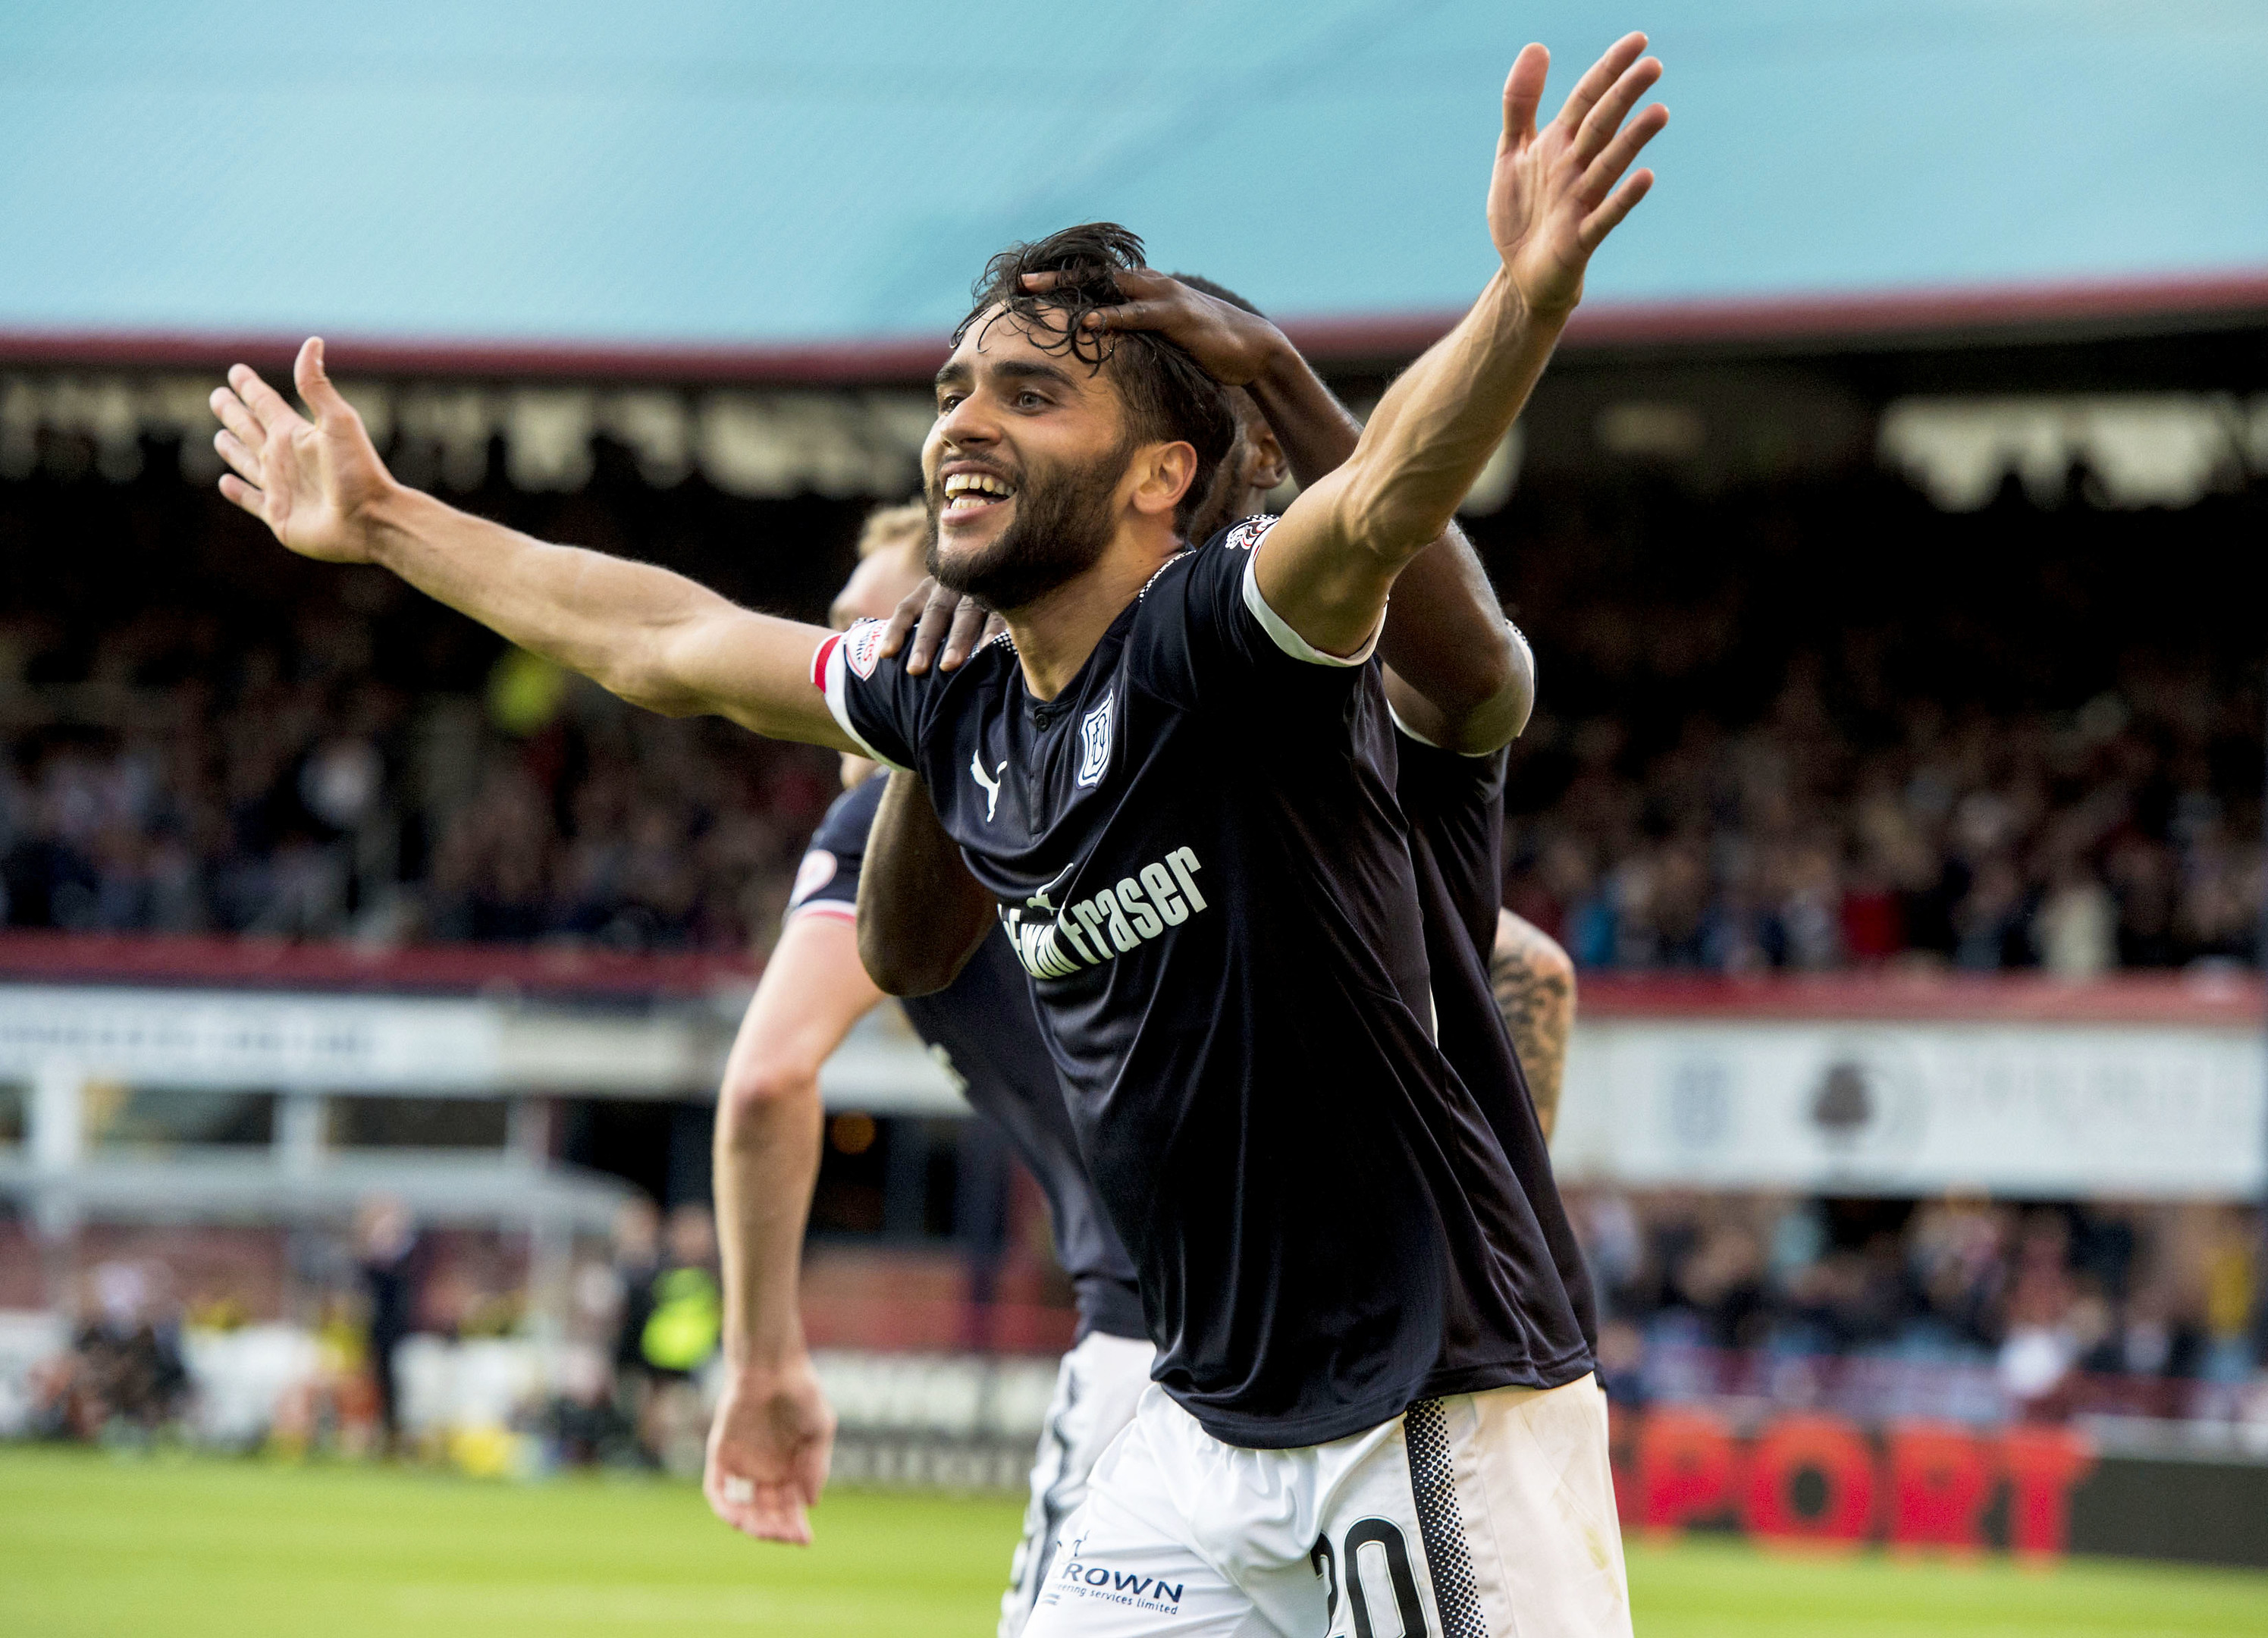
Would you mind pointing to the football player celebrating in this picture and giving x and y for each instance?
(1179, 798)
(768, 1444)
(1175, 782)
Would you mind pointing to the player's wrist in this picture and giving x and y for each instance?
(389, 521)
(1538, 304)
(768, 1357)
(1281, 369)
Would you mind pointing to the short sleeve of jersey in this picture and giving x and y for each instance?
(827, 881)
(1226, 635)
(871, 697)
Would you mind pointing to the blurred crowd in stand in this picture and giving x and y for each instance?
(1824, 725)
(1958, 1305)
(1794, 726)
(203, 735)
(2078, 842)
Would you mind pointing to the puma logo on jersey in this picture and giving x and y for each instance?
(1112, 921)
(1045, 898)
(991, 787)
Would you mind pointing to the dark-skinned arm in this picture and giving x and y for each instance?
(921, 914)
(1456, 674)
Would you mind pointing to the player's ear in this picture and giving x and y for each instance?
(1164, 473)
(1266, 467)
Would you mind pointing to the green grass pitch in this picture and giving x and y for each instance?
(98, 1547)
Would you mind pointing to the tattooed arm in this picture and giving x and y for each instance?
(1534, 984)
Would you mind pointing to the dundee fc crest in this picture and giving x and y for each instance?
(1095, 740)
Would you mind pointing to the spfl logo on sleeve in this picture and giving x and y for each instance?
(862, 646)
(1247, 534)
(1095, 740)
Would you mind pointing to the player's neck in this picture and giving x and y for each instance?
(1055, 632)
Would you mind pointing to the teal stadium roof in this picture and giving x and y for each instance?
(673, 175)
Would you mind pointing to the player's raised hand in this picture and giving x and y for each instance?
(1556, 194)
(768, 1452)
(311, 481)
(1231, 345)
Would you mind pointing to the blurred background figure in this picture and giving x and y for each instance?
(684, 1324)
(122, 1379)
(387, 1261)
(636, 1262)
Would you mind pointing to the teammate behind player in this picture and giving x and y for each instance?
(1534, 983)
(768, 1444)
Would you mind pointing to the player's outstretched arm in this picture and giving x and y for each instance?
(656, 638)
(921, 914)
(1535, 985)
(1554, 196)
(768, 1444)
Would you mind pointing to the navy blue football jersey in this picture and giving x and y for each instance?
(1455, 809)
(984, 1025)
(1198, 855)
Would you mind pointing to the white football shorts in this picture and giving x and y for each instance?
(1477, 1515)
(1097, 1387)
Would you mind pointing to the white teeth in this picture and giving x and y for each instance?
(962, 483)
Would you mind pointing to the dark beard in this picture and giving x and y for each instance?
(1064, 518)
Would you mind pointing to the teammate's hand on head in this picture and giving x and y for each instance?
(1233, 346)
(933, 616)
(311, 481)
(1554, 197)
(768, 1451)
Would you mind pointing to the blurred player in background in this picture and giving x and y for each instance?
(684, 1326)
(769, 1446)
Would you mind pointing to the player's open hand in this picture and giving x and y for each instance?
(932, 615)
(768, 1452)
(1554, 196)
(312, 481)
(1233, 346)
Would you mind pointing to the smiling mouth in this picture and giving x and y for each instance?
(969, 495)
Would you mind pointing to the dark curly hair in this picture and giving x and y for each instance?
(1168, 396)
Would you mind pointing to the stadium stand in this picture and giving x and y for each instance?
(1873, 732)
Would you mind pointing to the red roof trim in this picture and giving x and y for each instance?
(1828, 318)
(912, 358)
(892, 360)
